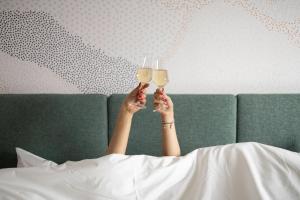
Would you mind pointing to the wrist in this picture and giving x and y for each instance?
(167, 117)
(125, 110)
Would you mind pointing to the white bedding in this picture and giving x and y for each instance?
(236, 171)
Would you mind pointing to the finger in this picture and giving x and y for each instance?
(143, 91)
(156, 97)
(159, 90)
(156, 107)
(135, 90)
(168, 100)
(159, 95)
(141, 96)
(158, 102)
(159, 98)
(137, 87)
(165, 95)
(144, 86)
(140, 86)
(162, 96)
(143, 101)
(164, 99)
(159, 109)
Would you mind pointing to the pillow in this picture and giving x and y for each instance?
(27, 159)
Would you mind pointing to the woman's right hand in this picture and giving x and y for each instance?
(163, 104)
(136, 99)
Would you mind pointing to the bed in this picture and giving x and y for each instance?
(78, 127)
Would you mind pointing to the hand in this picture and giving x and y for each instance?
(163, 104)
(136, 99)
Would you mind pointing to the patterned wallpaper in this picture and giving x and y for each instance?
(96, 46)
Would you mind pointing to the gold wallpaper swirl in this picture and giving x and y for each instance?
(187, 7)
(291, 28)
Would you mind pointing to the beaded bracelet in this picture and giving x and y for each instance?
(164, 124)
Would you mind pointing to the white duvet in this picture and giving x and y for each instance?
(236, 171)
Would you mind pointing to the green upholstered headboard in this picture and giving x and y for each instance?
(56, 127)
(272, 119)
(74, 127)
(201, 120)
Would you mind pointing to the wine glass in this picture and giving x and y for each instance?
(144, 75)
(160, 78)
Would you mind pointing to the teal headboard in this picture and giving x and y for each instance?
(272, 119)
(56, 127)
(74, 127)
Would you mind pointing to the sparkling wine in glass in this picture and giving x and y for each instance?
(160, 78)
(144, 75)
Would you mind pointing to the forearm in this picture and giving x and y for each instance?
(169, 138)
(119, 140)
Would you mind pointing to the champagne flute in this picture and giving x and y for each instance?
(144, 75)
(160, 78)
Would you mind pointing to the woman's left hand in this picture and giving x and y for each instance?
(136, 99)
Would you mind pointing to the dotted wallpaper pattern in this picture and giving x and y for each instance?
(98, 45)
(93, 45)
(130, 29)
(37, 37)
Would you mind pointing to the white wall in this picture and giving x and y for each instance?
(95, 46)
(226, 50)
